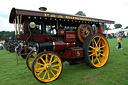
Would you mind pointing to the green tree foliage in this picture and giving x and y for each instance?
(80, 13)
(126, 27)
(117, 26)
(104, 26)
(6, 34)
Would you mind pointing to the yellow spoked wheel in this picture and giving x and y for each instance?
(47, 66)
(96, 50)
(30, 59)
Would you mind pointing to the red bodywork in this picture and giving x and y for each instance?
(35, 38)
(67, 42)
(72, 53)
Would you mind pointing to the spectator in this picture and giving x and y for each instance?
(1, 46)
(119, 38)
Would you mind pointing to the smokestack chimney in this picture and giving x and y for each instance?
(42, 8)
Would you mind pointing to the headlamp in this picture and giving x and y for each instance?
(32, 24)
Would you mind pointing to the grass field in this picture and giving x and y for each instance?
(115, 72)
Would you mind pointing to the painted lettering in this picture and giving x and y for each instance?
(60, 16)
(46, 14)
(53, 15)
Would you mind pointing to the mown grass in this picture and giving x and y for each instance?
(115, 72)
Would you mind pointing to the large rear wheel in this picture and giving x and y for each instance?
(96, 50)
(47, 66)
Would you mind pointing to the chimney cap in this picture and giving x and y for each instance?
(42, 8)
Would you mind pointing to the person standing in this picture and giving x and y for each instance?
(1, 46)
(119, 38)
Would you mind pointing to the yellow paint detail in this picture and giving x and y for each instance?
(46, 14)
(53, 15)
(60, 16)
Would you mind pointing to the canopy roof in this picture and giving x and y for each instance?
(42, 14)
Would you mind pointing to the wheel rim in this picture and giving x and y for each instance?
(47, 67)
(30, 59)
(98, 51)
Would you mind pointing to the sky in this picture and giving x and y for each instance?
(115, 10)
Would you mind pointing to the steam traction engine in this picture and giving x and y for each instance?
(59, 38)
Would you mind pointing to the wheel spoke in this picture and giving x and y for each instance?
(92, 47)
(51, 59)
(43, 60)
(46, 58)
(98, 41)
(90, 51)
(52, 72)
(102, 55)
(31, 58)
(55, 65)
(98, 61)
(55, 69)
(94, 61)
(34, 56)
(103, 46)
(45, 74)
(37, 65)
(40, 64)
(91, 54)
(95, 42)
(41, 71)
(48, 75)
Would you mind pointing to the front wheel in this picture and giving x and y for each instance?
(30, 59)
(96, 50)
(47, 66)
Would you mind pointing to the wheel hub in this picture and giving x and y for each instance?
(48, 67)
(98, 51)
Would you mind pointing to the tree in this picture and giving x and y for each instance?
(6, 34)
(104, 26)
(80, 13)
(126, 27)
(117, 26)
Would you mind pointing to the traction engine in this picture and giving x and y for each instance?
(57, 37)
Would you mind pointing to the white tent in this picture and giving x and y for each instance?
(112, 31)
(125, 31)
(116, 31)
